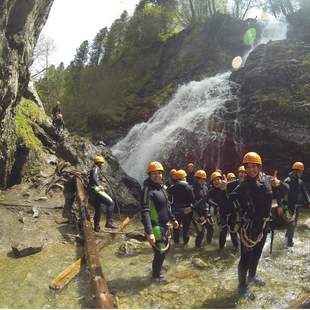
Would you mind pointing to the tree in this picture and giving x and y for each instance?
(97, 47)
(81, 56)
(197, 11)
(115, 37)
(278, 7)
(45, 47)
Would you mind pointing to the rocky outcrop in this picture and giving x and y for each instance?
(274, 107)
(20, 24)
(80, 152)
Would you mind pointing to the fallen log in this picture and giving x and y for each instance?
(66, 276)
(100, 290)
(302, 302)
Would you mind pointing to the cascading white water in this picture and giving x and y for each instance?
(193, 103)
(189, 111)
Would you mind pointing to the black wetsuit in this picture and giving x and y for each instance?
(202, 209)
(190, 177)
(227, 215)
(98, 197)
(154, 197)
(182, 197)
(297, 197)
(255, 199)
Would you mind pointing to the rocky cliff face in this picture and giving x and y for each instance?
(273, 109)
(20, 24)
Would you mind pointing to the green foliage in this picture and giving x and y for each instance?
(81, 55)
(26, 112)
(97, 47)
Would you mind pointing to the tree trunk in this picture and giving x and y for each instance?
(192, 10)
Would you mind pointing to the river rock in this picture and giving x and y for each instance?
(199, 263)
(136, 235)
(305, 225)
(132, 247)
(26, 248)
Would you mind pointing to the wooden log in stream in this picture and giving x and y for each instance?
(99, 286)
(300, 303)
(67, 275)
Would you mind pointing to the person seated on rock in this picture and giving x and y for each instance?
(190, 169)
(98, 195)
(59, 123)
(156, 216)
(182, 199)
(297, 197)
(226, 211)
(202, 218)
(56, 110)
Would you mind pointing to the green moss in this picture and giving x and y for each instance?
(306, 62)
(26, 112)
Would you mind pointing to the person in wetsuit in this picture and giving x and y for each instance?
(297, 197)
(254, 195)
(218, 195)
(182, 199)
(156, 215)
(202, 218)
(98, 195)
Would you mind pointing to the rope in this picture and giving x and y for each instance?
(169, 236)
(247, 242)
(234, 230)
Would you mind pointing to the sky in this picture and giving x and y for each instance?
(70, 22)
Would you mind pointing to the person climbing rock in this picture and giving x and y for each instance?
(202, 217)
(190, 169)
(98, 195)
(254, 195)
(297, 197)
(227, 214)
(59, 123)
(156, 217)
(182, 199)
(56, 110)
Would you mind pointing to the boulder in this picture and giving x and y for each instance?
(132, 247)
(26, 248)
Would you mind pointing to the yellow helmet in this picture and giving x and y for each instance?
(252, 158)
(155, 166)
(230, 176)
(180, 174)
(201, 174)
(298, 166)
(215, 175)
(99, 160)
(241, 169)
(190, 165)
(172, 172)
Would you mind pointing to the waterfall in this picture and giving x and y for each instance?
(189, 126)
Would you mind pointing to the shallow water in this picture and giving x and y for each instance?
(206, 278)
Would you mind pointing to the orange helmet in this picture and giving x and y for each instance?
(215, 175)
(252, 158)
(190, 165)
(155, 166)
(172, 172)
(241, 169)
(201, 174)
(298, 166)
(180, 174)
(230, 176)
